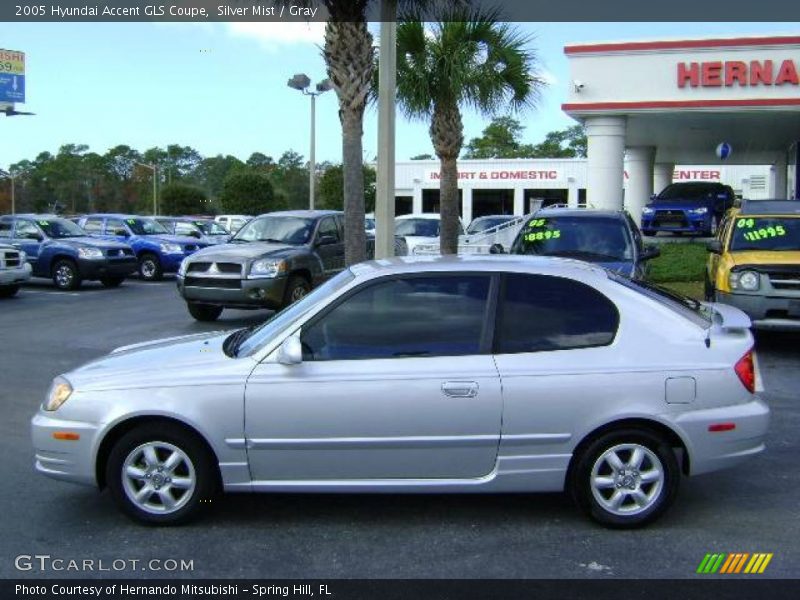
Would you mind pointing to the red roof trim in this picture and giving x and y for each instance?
(683, 44)
(764, 102)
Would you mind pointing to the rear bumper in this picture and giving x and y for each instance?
(766, 312)
(253, 293)
(95, 269)
(684, 224)
(15, 276)
(712, 451)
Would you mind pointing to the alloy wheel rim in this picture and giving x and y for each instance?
(148, 269)
(627, 479)
(158, 477)
(64, 276)
(298, 293)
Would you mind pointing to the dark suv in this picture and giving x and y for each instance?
(59, 249)
(272, 261)
(694, 207)
(605, 237)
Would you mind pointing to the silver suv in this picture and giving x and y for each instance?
(14, 270)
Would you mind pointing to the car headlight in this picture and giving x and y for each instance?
(648, 211)
(744, 280)
(183, 267)
(90, 253)
(171, 249)
(698, 211)
(22, 256)
(58, 393)
(267, 268)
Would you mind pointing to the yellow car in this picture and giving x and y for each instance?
(754, 263)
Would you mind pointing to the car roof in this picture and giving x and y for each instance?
(479, 262)
(301, 213)
(578, 212)
(119, 216)
(33, 216)
(436, 216)
(770, 207)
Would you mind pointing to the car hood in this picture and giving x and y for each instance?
(681, 204)
(766, 257)
(159, 363)
(246, 251)
(93, 242)
(172, 239)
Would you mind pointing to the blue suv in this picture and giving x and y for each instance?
(157, 251)
(57, 248)
(694, 207)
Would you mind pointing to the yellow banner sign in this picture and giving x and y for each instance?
(12, 62)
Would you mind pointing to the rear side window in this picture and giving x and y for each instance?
(5, 229)
(539, 313)
(93, 225)
(404, 317)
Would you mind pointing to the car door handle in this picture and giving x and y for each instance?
(460, 389)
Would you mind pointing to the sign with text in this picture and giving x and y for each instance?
(12, 76)
(522, 174)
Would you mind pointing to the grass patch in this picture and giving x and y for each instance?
(679, 263)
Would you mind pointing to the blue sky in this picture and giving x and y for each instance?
(221, 87)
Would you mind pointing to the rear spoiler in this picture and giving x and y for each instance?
(729, 317)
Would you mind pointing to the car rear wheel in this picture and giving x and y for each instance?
(161, 474)
(112, 282)
(626, 478)
(66, 275)
(296, 289)
(204, 312)
(150, 268)
(8, 290)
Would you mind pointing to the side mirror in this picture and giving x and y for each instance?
(326, 240)
(290, 351)
(651, 252)
(714, 246)
(34, 236)
(121, 232)
(653, 196)
(195, 234)
(497, 249)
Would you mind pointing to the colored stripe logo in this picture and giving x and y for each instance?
(737, 562)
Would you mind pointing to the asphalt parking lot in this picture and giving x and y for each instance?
(755, 508)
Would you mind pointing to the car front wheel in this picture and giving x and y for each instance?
(204, 312)
(626, 478)
(150, 268)
(296, 289)
(66, 275)
(161, 474)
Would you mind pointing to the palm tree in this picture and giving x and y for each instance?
(349, 56)
(468, 58)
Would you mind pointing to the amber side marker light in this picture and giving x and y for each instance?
(66, 435)
(721, 427)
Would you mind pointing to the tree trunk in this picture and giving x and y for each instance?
(447, 135)
(355, 237)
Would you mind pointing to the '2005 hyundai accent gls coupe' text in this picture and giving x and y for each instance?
(471, 374)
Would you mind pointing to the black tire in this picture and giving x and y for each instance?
(204, 312)
(190, 501)
(65, 275)
(150, 268)
(111, 282)
(658, 495)
(296, 288)
(7, 291)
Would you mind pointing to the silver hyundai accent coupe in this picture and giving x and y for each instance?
(427, 374)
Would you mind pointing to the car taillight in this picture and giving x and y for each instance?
(746, 371)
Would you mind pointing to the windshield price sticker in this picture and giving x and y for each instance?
(536, 223)
(764, 233)
(44, 223)
(538, 236)
(745, 223)
(132, 221)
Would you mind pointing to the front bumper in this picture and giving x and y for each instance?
(170, 263)
(683, 223)
(712, 451)
(766, 312)
(15, 276)
(67, 460)
(236, 293)
(95, 269)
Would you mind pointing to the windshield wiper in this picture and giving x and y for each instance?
(273, 241)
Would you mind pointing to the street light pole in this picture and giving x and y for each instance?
(301, 82)
(13, 195)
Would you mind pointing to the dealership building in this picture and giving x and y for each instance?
(655, 112)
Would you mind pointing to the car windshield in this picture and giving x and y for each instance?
(484, 223)
(766, 233)
(582, 237)
(690, 192)
(417, 227)
(695, 311)
(281, 229)
(141, 226)
(263, 334)
(210, 227)
(60, 228)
